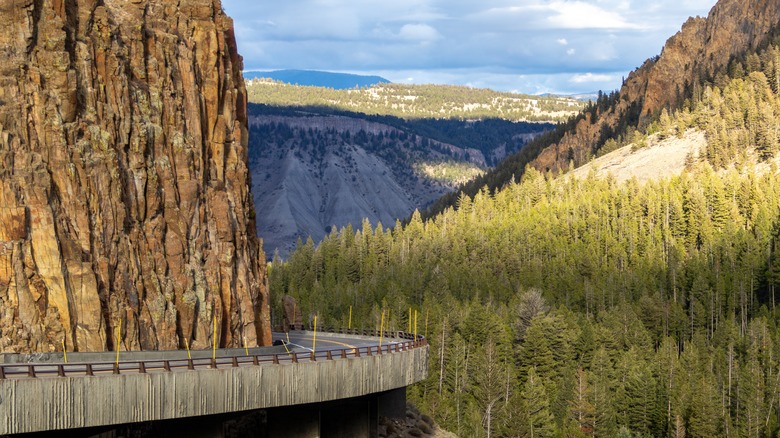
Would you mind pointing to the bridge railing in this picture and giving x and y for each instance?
(48, 370)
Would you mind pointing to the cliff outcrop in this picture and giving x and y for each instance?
(696, 54)
(124, 191)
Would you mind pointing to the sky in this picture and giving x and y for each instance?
(525, 46)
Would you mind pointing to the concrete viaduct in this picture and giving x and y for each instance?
(339, 389)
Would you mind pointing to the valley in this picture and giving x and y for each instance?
(317, 169)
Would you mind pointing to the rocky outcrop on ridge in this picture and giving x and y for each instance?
(125, 208)
(702, 49)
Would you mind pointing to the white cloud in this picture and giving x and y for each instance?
(571, 52)
(591, 77)
(562, 41)
(582, 15)
(419, 32)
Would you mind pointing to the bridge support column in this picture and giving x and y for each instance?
(295, 422)
(392, 404)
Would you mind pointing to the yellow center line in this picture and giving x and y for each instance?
(330, 342)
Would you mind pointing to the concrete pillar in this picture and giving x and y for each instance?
(349, 418)
(302, 421)
(392, 404)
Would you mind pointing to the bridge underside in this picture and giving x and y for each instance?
(355, 417)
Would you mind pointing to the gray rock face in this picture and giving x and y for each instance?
(320, 172)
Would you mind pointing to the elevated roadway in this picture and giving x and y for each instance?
(43, 393)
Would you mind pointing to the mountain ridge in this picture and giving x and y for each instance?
(317, 78)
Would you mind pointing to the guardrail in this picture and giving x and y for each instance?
(22, 371)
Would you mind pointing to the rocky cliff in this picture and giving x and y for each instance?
(124, 192)
(696, 54)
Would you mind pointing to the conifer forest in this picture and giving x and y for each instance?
(558, 306)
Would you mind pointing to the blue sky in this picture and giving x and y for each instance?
(527, 46)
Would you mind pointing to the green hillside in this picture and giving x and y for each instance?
(589, 307)
(419, 101)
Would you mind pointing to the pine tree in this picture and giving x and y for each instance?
(537, 420)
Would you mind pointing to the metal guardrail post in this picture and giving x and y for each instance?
(30, 370)
(328, 355)
(2, 373)
(116, 368)
(89, 370)
(142, 367)
(255, 362)
(190, 364)
(166, 365)
(313, 357)
(60, 371)
(276, 359)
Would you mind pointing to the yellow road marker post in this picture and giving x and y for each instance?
(214, 353)
(245, 347)
(64, 351)
(314, 342)
(118, 337)
(350, 318)
(187, 346)
(415, 327)
(381, 329)
(410, 321)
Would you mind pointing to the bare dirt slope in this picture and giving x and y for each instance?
(659, 159)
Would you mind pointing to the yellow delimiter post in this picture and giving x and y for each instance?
(245, 347)
(64, 351)
(415, 327)
(214, 354)
(410, 321)
(187, 346)
(118, 337)
(381, 329)
(350, 318)
(314, 342)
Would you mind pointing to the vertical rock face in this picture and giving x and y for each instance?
(124, 193)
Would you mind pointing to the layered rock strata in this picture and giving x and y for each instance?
(125, 211)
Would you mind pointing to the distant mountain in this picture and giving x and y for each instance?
(592, 95)
(429, 101)
(313, 78)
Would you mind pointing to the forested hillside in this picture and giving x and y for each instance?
(588, 307)
(706, 53)
(419, 101)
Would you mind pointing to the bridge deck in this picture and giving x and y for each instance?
(51, 396)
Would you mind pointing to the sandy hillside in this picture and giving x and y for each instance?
(658, 159)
